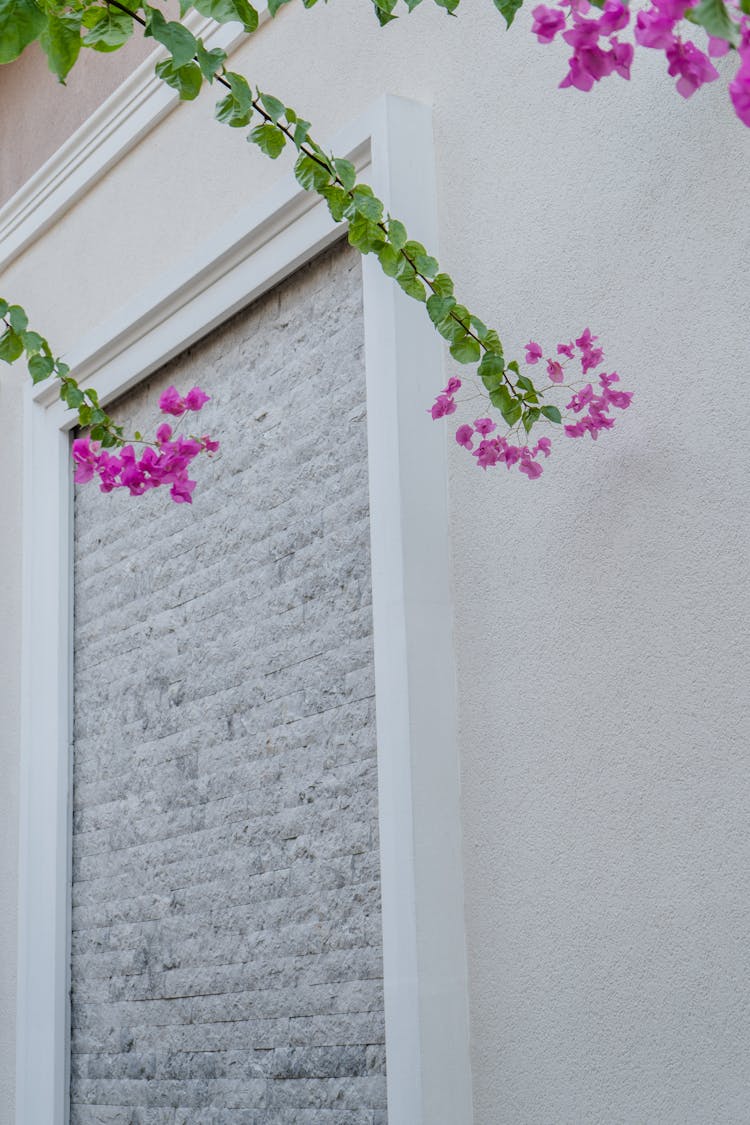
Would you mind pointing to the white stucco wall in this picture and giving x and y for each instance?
(601, 612)
(10, 652)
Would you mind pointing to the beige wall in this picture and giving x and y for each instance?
(601, 613)
(38, 113)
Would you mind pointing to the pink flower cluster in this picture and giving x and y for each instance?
(167, 462)
(657, 26)
(445, 403)
(494, 449)
(597, 418)
(498, 450)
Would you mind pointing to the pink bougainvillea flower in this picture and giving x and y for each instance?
(170, 402)
(544, 445)
(693, 66)
(581, 398)
(164, 432)
(615, 17)
(533, 352)
(567, 350)
(585, 340)
(717, 48)
(452, 386)
(547, 23)
(532, 468)
(484, 426)
(739, 87)
(182, 490)
(465, 435)
(487, 453)
(654, 29)
(591, 357)
(555, 371)
(209, 445)
(623, 57)
(85, 456)
(739, 92)
(196, 399)
(442, 405)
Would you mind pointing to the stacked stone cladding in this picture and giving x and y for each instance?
(226, 930)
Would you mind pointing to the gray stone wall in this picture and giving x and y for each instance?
(226, 931)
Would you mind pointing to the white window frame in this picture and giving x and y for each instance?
(424, 954)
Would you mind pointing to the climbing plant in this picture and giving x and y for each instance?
(517, 400)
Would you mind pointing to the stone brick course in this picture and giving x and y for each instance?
(226, 944)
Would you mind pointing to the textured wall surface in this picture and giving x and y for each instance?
(602, 612)
(10, 677)
(226, 949)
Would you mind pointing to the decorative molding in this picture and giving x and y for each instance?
(128, 115)
(424, 956)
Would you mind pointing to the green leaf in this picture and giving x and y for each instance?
(525, 383)
(337, 201)
(529, 418)
(310, 174)
(492, 342)
(274, 5)
(509, 407)
(61, 42)
(390, 260)
(466, 350)
(11, 346)
(714, 17)
(40, 367)
(72, 395)
(397, 233)
(439, 307)
(491, 370)
(412, 248)
(383, 10)
(18, 318)
(3, 307)
(412, 286)
(21, 22)
(346, 172)
(229, 11)
(451, 329)
(508, 9)
(108, 28)
(32, 342)
(181, 43)
(187, 80)
(301, 131)
(366, 236)
(273, 107)
(236, 108)
(552, 413)
(366, 203)
(269, 139)
(443, 285)
(210, 62)
(426, 265)
(479, 327)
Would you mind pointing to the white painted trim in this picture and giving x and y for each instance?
(426, 1003)
(128, 115)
